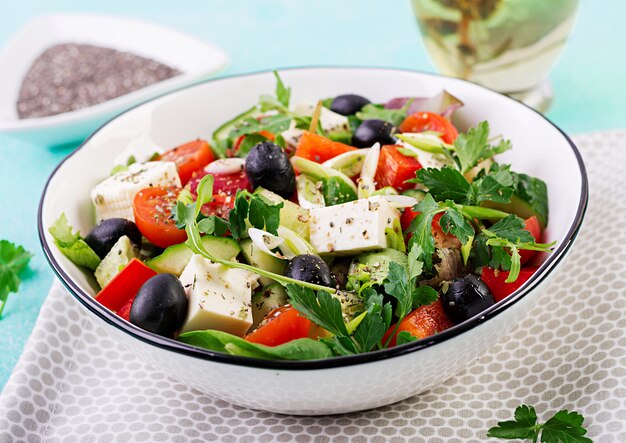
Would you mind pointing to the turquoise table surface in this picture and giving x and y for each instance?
(588, 82)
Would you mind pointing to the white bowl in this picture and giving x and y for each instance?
(341, 384)
(196, 59)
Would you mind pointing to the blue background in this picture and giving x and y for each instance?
(588, 82)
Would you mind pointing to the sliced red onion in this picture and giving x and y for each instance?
(443, 103)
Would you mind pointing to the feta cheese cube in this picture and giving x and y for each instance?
(219, 297)
(352, 227)
(114, 196)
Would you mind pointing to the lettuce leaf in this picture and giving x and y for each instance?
(72, 245)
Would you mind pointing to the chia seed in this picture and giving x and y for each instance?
(71, 76)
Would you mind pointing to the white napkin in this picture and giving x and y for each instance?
(74, 384)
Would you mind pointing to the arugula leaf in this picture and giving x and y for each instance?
(373, 111)
(300, 349)
(322, 308)
(72, 245)
(564, 427)
(13, 259)
(446, 184)
(473, 147)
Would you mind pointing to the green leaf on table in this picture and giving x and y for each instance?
(72, 245)
(13, 259)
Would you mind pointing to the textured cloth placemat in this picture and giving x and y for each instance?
(74, 384)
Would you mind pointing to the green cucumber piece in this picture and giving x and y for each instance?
(265, 301)
(415, 193)
(292, 216)
(122, 252)
(255, 257)
(174, 259)
(224, 130)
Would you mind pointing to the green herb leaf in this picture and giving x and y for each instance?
(263, 214)
(183, 214)
(373, 111)
(213, 225)
(404, 337)
(453, 222)
(300, 349)
(423, 296)
(238, 215)
(322, 308)
(564, 427)
(274, 123)
(398, 286)
(446, 184)
(473, 147)
(533, 191)
(421, 229)
(248, 143)
(13, 259)
(72, 245)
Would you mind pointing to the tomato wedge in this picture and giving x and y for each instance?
(319, 149)
(532, 225)
(189, 158)
(422, 322)
(282, 325)
(495, 280)
(152, 208)
(394, 169)
(429, 121)
(124, 287)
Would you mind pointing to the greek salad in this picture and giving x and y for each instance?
(323, 229)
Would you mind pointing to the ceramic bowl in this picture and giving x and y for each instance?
(196, 60)
(341, 384)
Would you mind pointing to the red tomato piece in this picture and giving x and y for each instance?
(531, 225)
(394, 169)
(189, 157)
(220, 205)
(152, 208)
(422, 322)
(125, 285)
(495, 280)
(282, 325)
(429, 121)
(319, 149)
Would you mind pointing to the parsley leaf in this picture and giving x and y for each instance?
(275, 124)
(321, 308)
(13, 259)
(453, 222)
(564, 427)
(213, 225)
(421, 229)
(72, 245)
(533, 191)
(263, 214)
(238, 215)
(473, 147)
(373, 326)
(404, 337)
(446, 184)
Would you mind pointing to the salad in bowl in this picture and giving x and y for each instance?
(327, 228)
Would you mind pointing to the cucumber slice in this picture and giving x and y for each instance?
(265, 301)
(174, 259)
(223, 131)
(122, 252)
(309, 195)
(318, 171)
(292, 216)
(349, 163)
(256, 257)
(415, 193)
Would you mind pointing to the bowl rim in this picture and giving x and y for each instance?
(175, 346)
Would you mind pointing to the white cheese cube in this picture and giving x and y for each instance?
(114, 196)
(352, 227)
(219, 297)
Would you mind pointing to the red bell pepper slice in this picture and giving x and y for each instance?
(394, 169)
(282, 325)
(319, 149)
(125, 285)
(495, 280)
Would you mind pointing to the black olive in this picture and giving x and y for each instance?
(160, 305)
(309, 268)
(267, 165)
(348, 104)
(102, 238)
(465, 298)
(372, 131)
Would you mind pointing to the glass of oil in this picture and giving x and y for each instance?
(506, 45)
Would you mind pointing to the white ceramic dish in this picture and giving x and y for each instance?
(340, 384)
(195, 58)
